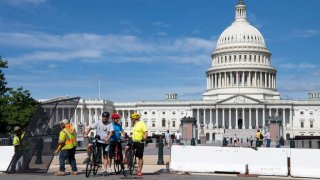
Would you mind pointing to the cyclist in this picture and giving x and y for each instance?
(114, 140)
(104, 129)
(139, 135)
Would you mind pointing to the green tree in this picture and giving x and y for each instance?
(19, 108)
(16, 106)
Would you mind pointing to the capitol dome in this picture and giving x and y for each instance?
(241, 63)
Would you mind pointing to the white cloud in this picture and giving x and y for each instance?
(160, 24)
(25, 2)
(299, 66)
(47, 47)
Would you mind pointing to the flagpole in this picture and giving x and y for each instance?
(99, 89)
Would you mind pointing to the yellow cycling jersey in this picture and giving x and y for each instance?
(138, 131)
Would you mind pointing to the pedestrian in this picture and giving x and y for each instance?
(268, 137)
(168, 138)
(281, 141)
(104, 130)
(66, 147)
(259, 138)
(251, 141)
(178, 137)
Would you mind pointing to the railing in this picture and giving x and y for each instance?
(5, 141)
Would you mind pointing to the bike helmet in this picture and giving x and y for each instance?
(135, 116)
(105, 114)
(115, 116)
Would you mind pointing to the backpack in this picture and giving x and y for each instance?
(261, 136)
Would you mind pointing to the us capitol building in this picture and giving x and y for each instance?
(241, 94)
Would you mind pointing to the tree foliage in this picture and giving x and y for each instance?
(16, 106)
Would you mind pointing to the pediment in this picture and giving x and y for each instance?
(239, 99)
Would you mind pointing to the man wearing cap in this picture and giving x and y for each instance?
(18, 135)
(67, 147)
(104, 130)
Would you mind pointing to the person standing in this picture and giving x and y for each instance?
(178, 137)
(168, 138)
(18, 135)
(66, 147)
(115, 138)
(268, 137)
(259, 138)
(104, 130)
(139, 135)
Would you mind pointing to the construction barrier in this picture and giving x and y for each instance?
(5, 157)
(305, 163)
(212, 159)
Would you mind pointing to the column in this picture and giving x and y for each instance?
(210, 123)
(243, 120)
(90, 116)
(242, 78)
(250, 125)
(265, 79)
(129, 119)
(284, 118)
(198, 117)
(81, 117)
(263, 117)
(270, 112)
(69, 113)
(219, 79)
(230, 127)
(62, 109)
(223, 119)
(215, 81)
(204, 117)
(249, 81)
(57, 116)
(208, 82)
(76, 118)
(96, 117)
(237, 76)
(290, 116)
(257, 118)
(225, 79)
(217, 120)
(255, 79)
(260, 83)
(236, 118)
(269, 80)
(231, 79)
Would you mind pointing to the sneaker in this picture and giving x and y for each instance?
(105, 173)
(139, 173)
(86, 160)
(109, 171)
(60, 173)
(74, 173)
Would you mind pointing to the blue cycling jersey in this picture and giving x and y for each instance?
(117, 132)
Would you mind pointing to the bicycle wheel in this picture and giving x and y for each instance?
(89, 166)
(117, 166)
(131, 162)
(95, 164)
(124, 171)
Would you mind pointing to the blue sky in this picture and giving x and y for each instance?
(143, 49)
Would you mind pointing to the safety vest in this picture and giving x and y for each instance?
(71, 140)
(17, 139)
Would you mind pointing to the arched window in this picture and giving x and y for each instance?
(163, 122)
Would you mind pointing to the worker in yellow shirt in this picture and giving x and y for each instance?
(67, 147)
(18, 149)
(139, 135)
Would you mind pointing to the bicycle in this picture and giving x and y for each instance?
(132, 161)
(118, 160)
(92, 163)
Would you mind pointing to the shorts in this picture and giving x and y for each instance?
(112, 149)
(102, 147)
(139, 149)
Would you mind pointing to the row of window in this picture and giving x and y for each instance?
(222, 59)
(241, 38)
(311, 112)
(302, 124)
(163, 112)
